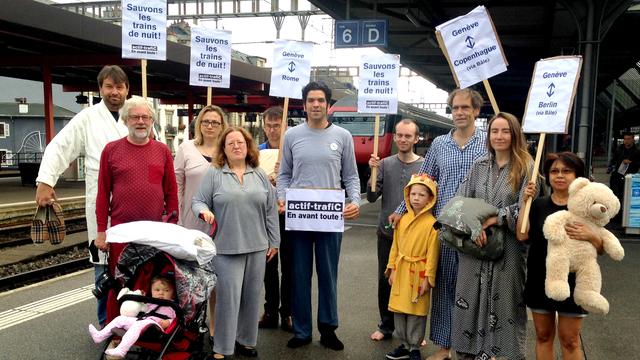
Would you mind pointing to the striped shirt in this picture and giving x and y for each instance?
(449, 163)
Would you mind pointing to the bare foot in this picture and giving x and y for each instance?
(377, 336)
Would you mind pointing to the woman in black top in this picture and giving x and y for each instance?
(560, 170)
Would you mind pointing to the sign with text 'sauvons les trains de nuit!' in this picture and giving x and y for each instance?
(378, 84)
(551, 95)
(291, 68)
(210, 57)
(472, 47)
(144, 29)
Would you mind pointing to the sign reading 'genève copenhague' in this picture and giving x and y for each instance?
(472, 47)
(291, 68)
(144, 29)
(551, 94)
(210, 57)
(378, 84)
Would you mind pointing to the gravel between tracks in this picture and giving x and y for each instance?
(74, 253)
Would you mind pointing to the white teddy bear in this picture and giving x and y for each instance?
(131, 308)
(593, 204)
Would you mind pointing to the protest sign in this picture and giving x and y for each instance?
(378, 84)
(291, 69)
(472, 47)
(551, 95)
(144, 29)
(210, 57)
(314, 210)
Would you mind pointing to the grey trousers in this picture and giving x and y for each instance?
(410, 329)
(238, 300)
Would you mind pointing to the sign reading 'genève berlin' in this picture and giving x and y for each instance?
(144, 29)
(291, 69)
(551, 94)
(472, 47)
(210, 57)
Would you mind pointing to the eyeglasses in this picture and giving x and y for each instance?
(564, 171)
(208, 123)
(139, 117)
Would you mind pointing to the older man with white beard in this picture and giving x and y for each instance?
(136, 181)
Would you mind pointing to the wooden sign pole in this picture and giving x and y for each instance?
(374, 171)
(143, 65)
(534, 177)
(494, 103)
(283, 128)
(209, 95)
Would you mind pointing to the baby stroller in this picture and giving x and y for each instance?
(143, 259)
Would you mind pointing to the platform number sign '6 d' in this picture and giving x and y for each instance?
(361, 33)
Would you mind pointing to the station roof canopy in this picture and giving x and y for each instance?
(528, 29)
(75, 47)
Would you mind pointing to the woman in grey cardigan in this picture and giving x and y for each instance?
(238, 195)
(489, 315)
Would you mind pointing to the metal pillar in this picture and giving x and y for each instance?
(278, 20)
(610, 136)
(48, 102)
(304, 21)
(588, 87)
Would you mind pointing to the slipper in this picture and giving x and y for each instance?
(39, 233)
(55, 223)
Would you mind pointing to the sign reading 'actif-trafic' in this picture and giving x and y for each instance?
(291, 69)
(472, 47)
(361, 33)
(378, 84)
(551, 95)
(144, 29)
(210, 57)
(314, 209)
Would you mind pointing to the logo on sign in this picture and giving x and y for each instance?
(470, 42)
(551, 87)
(292, 67)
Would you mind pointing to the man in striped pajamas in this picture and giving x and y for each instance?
(448, 160)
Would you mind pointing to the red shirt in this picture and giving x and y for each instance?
(136, 182)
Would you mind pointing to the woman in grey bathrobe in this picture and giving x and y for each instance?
(489, 315)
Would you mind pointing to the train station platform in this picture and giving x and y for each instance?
(49, 320)
(12, 190)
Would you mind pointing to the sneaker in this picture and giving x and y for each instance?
(400, 352)
(330, 340)
(268, 321)
(415, 355)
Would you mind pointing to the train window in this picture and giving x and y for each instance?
(358, 124)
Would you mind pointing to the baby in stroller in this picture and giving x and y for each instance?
(155, 249)
(156, 315)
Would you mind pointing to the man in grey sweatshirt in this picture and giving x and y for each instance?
(317, 154)
(394, 172)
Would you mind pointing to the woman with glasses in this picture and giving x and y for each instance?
(238, 194)
(559, 170)
(194, 158)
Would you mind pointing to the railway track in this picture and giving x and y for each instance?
(41, 274)
(20, 235)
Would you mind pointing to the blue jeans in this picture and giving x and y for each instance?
(102, 303)
(327, 253)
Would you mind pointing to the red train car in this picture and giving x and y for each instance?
(344, 113)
